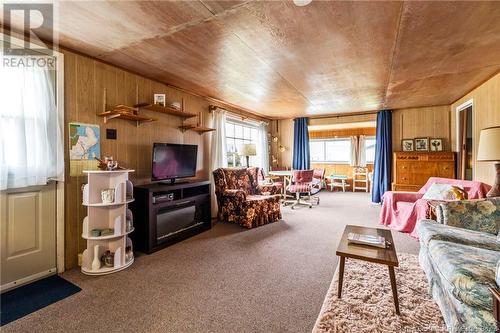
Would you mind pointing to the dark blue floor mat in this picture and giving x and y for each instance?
(24, 300)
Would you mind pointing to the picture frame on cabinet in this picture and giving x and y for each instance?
(407, 145)
(421, 144)
(436, 144)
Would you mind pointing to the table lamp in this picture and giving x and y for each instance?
(247, 150)
(489, 151)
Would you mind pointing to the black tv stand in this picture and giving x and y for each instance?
(183, 211)
(173, 181)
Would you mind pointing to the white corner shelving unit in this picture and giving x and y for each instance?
(107, 215)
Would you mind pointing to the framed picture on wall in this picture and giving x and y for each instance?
(436, 144)
(421, 144)
(407, 145)
(159, 99)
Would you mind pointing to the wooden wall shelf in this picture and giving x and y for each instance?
(169, 110)
(199, 129)
(125, 112)
(132, 113)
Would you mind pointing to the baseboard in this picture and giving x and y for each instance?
(27, 279)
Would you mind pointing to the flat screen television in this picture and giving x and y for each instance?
(172, 161)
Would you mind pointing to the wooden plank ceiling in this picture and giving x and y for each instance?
(282, 61)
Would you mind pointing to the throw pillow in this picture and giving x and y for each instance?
(459, 193)
(441, 192)
(480, 215)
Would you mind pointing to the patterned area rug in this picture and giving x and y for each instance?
(367, 304)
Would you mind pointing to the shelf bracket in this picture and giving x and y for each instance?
(106, 118)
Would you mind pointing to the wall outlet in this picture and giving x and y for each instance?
(111, 133)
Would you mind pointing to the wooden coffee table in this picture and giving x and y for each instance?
(377, 255)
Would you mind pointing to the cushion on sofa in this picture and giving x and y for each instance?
(238, 178)
(439, 191)
(431, 230)
(467, 272)
(478, 215)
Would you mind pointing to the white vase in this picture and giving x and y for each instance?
(96, 263)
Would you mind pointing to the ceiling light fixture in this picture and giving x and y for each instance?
(301, 3)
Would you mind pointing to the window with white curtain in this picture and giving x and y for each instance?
(30, 128)
(336, 150)
(238, 134)
(370, 149)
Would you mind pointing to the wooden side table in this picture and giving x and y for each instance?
(385, 256)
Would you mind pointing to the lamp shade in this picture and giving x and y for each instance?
(301, 3)
(489, 144)
(248, 149)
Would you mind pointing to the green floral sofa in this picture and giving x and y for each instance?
(460, 254)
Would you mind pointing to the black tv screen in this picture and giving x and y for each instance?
(172, 161)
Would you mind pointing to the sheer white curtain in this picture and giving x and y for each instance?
(31, 150)
(361, 151)
(263, 147)
(218, 153)
(354, 151)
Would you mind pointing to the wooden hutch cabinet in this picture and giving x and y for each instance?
(413, 169)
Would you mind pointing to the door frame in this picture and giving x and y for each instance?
(60, 197)
(458, 109)
(462, 107)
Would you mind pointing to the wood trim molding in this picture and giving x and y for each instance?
(340, 115)
(458, 109)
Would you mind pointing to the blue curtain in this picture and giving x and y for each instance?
(383, 156)
(301, 155)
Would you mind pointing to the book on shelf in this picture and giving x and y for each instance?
(370, 240)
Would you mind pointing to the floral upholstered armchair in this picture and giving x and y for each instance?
(242, 200)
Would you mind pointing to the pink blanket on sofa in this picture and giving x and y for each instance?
(402, 210)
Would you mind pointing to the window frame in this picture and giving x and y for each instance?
(366, 139)
(243, 124)
(325, 161)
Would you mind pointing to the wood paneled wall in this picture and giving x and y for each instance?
(283, 129)
(433, 122)
(485, 113)
(85, 80)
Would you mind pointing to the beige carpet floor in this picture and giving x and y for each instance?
(269, 279)
(367, 304)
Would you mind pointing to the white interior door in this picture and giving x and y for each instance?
(31, 159)
(28, 234)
